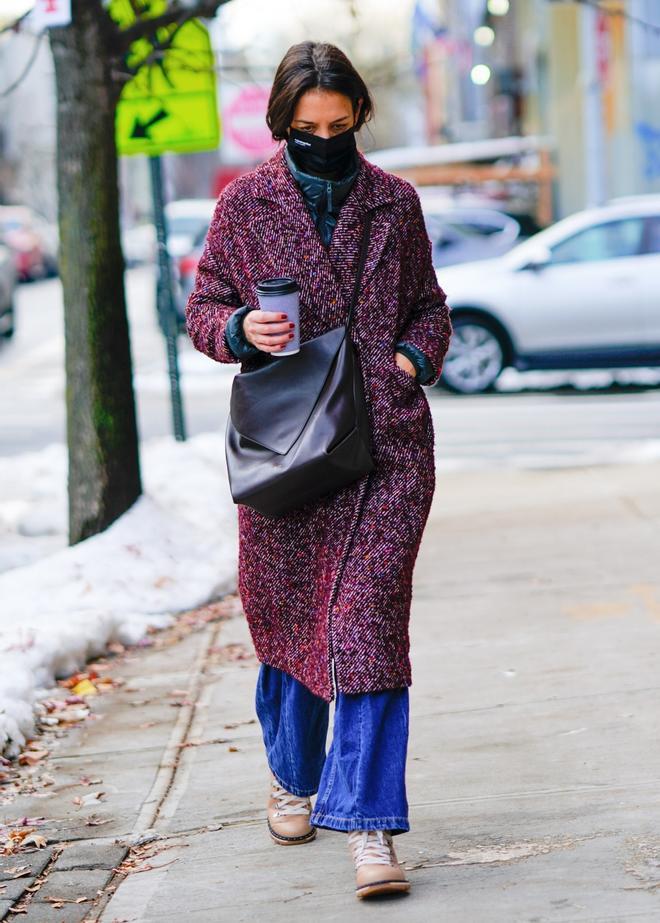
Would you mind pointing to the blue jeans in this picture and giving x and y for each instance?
(361, 782)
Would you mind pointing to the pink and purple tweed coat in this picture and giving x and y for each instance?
(332, 581)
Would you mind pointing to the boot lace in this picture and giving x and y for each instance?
(371, 847)
(287, 803)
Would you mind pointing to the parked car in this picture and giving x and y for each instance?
(7, 285)
(583, 294)
(32, 240)
(462, 235)
(185, 270)
(138, 244)
(186, 220)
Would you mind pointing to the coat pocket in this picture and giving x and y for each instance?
(400, 375)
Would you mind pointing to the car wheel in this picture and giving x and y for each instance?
(8, 332)
(475, 357)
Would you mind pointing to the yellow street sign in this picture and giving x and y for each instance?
(170, 104)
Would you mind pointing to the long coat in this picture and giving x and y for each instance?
(332, 581)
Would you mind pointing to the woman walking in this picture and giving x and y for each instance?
(326, 588)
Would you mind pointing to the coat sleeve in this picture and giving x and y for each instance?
(429, 326)
(213, 299)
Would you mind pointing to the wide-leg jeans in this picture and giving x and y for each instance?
(361, 780)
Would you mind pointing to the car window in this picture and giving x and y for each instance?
(609, 241)
(10, 224)
(474, 229)
(438, 229)
(652, 235)
(187, 224)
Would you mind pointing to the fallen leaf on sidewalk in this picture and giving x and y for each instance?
(32, 757)
(17, 871)
(35, 839)
(86, 780)
(70, 681)
(230, 653)
(129, 868)
(27, 821)
(92, 798)
(237, 724)
(16, 840)
(84, 687)
(58, 902)
(95, 821)
(202, 743)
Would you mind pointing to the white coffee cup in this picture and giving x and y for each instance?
(282, 295)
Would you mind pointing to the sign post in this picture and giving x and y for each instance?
(166, 306)
(169, 105)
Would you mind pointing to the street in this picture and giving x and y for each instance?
(534, 760)
(534, 420)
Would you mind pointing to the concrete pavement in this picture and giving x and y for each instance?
(534, 766)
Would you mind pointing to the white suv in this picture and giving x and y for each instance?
(582, 294)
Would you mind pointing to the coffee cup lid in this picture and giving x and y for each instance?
(281, 286)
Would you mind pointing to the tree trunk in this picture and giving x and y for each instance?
(104, 470)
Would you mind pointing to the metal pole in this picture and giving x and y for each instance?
(165, 298)
(595, 146)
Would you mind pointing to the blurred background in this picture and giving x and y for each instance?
(531, 129)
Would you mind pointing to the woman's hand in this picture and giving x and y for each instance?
(269, 331)
(404, 363)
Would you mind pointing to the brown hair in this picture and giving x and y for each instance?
(313, 66)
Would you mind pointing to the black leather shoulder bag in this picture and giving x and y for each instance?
(298, 426)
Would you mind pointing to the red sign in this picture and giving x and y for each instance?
(245, 134)
(47, 13)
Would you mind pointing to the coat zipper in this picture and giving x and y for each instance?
(332, 663)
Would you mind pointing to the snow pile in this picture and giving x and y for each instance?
(33, 506)
(173, 550)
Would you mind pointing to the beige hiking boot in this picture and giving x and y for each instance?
(288, 817)
(377, 870)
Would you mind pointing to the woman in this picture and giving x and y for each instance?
(327, 588)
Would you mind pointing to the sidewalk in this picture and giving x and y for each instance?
(534, 764)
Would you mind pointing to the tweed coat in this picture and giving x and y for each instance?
(327, 588)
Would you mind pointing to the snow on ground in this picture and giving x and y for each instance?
(589, 379)
(174, 549)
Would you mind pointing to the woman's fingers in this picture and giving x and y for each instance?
(266, 330)
(266, 340)
(270, 344)
(266, 316)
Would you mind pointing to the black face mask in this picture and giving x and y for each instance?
(322, 155)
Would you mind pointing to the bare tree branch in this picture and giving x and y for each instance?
(15, 24)
(146, 28)
(26, 70)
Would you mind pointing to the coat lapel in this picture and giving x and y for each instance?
(344, 250)
(285, 214)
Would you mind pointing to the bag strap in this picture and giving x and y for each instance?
(364, 247)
